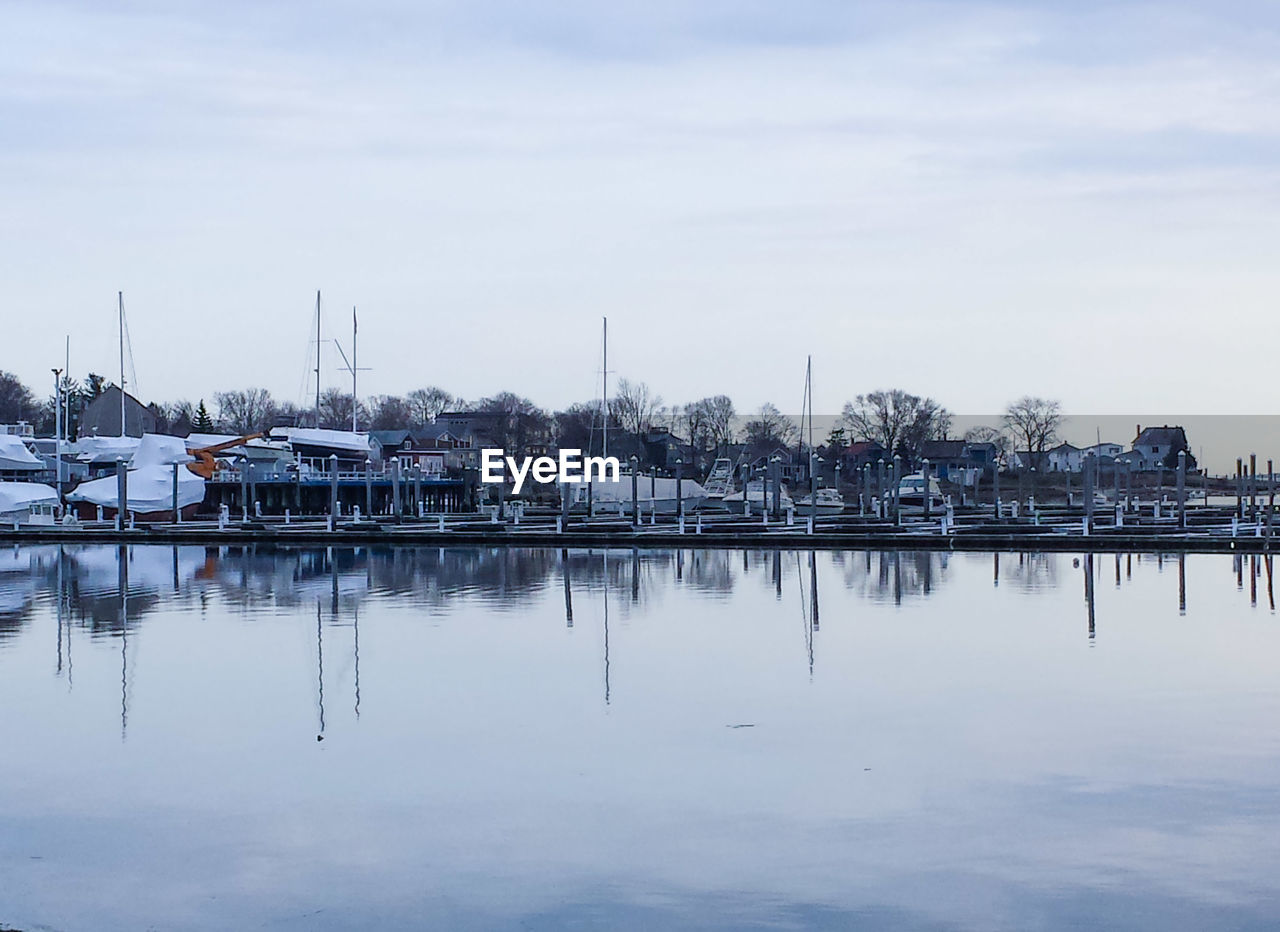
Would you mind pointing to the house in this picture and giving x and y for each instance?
(957, 460)
(859, 454)
(1065, 457)
(1100, 450)
(425, 450)
(101, 416)
(1152, 446)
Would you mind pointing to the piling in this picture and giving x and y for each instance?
(122, 492)
(1087, 492)
(880, 502)
(680, 492)
(1253, 488)
(333, 491)
(177, 512)
(924, 474)
(895, 491)
(1182, 488)
(635, 492)
(395, 488)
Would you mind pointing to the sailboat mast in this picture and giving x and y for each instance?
(354, 405)
(317, 357)
(120, 324)
(604, 388)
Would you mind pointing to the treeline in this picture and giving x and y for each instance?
(898, 420)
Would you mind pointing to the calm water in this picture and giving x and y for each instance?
(538, 740)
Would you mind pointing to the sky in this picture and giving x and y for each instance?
(973, 201)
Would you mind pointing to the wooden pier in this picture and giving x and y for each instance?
(1148, 527)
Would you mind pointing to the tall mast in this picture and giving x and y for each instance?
(354, 405)
(604, 389)
(120, 298)
(317, 357)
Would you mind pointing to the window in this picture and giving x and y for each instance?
(1155, 449)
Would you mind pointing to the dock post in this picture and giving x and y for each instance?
(177, 512)
(924, 472)
(1239, 488)
(1253, 488)
(564, 502)
(680, 492)
(122, 492)
(1067, 474)
(333, 491)
(1087, 492)
(1182, 488)
(881, 511)
(395, 488)
(635, 494)
(896, 480)
(368, 486)
(996, 490)
(808, 522)
(1271, 498)
(440, 523)
(244, 489)
(417, 491)
(698, 529)
(591, 499)
(253, 488)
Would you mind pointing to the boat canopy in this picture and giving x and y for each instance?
(150, 489)
(14, 454)
(19, 496)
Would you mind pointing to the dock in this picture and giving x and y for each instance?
(1147, 527)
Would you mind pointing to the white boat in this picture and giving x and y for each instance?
(754, 495)
(652, 494)
(911, 497)
(719, 484)
(828, 502)
(29, 503)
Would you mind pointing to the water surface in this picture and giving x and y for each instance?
(534, 739)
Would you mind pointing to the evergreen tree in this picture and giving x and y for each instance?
(203, 424)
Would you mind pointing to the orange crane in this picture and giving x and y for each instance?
(205, 465)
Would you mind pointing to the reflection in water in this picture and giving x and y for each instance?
(955, 699)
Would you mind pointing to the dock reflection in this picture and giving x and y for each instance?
(106, 593)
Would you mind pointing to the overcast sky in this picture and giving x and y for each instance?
(968, 200)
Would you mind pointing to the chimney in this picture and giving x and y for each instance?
(1137, 431)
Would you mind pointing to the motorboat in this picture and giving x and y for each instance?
(828, 502)
(911, 496)
(719, 484)
(28, 503)
(754, 495)
(654, 494)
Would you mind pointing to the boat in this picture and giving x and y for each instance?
(719, 484)
(29, 503)
(653, 493)
(149, 485)
(754, 495)
(911, 499)
(828, 502)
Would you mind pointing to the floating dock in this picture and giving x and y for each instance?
(1203, 529)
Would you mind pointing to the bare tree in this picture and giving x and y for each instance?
(1034, 422)
(245, 412)
(335, 410)
(513, 422)
(769, 429)
(992, 435)
(425, 404)
(720, 418)
(390, 412)
(634, 406)
(898, 420)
